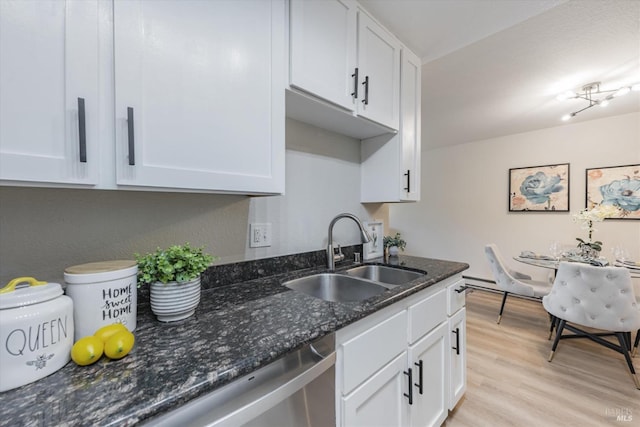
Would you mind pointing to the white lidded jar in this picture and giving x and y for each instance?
(103, 293)
(36, 331)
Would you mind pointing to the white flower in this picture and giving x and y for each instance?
(596, 214)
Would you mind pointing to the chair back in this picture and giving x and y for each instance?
(503, 276)
(595, 297)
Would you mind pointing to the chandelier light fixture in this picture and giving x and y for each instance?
(594, 96)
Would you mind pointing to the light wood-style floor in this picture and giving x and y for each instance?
(510, 382)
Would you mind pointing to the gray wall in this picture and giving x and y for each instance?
(45, 230)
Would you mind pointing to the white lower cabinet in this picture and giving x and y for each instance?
(457, 360)
(428, 360)
(396, 367)
(380, 400)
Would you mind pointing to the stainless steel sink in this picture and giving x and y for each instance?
(380, 273)
(336, 287)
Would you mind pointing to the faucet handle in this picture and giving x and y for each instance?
(338, 256)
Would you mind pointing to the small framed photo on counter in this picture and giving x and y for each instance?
(375, 248)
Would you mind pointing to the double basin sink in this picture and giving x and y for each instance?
(355, 284)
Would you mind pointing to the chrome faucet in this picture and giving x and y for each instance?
(331, 257)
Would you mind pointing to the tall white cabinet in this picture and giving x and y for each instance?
(199, 94)
(390, 168)
(49, 92)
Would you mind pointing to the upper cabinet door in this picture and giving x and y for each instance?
(199, 94)
(379, 72)
(49, 86)
(323, 49)
(410, 129)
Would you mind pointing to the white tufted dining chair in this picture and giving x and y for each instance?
(594, 297)
(512, 282)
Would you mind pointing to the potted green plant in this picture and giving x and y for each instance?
(392, 244)
(173, 275)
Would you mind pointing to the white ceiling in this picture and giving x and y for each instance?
(493, 67)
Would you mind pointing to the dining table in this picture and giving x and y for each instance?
(552, 264)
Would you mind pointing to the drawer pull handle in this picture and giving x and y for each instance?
(457, 347)
(462, 289)
(355, 84)
(82, 131)
(132, 151)
(409, 373)
(419, 383)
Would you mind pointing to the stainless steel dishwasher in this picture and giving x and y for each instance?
(296, 390)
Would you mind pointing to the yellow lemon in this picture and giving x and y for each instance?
(119, 344)
(87, 350)
(106, 331)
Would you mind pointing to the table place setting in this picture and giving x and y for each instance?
(633, 265)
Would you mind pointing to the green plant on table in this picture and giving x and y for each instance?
(396, 240)
(178, 263)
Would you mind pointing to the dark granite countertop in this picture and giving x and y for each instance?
(238, 327)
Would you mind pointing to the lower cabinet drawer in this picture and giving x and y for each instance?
(427, 314)
(455, 297)
(364, 354)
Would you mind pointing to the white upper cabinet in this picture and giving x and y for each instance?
(379, 72)
(342, 56)
(49, 92)
(390, 168)
(323, 49)
(199, 94)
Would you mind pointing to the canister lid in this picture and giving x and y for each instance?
(100, 271)
(22, 295)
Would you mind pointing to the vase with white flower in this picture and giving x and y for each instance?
(590, 249)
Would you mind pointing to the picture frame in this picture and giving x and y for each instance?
(539, 188)
(614, 185)
(375, 248)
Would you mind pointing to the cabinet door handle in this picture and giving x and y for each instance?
(355, 84)
(419, 383)
(365, 101)
(462, 289)
(82, 131)
(409, 373)
(457, 347)
(132, 146)
(408, 175)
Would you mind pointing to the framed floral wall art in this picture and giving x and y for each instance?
(539, 188)
(617, 186)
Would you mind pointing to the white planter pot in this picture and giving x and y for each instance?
(175, 301)
(393, 251)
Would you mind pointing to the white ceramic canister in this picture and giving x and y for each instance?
(103, 293)
(36, 331)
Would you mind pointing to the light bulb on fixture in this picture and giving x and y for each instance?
(589, 93)
(622, 91)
